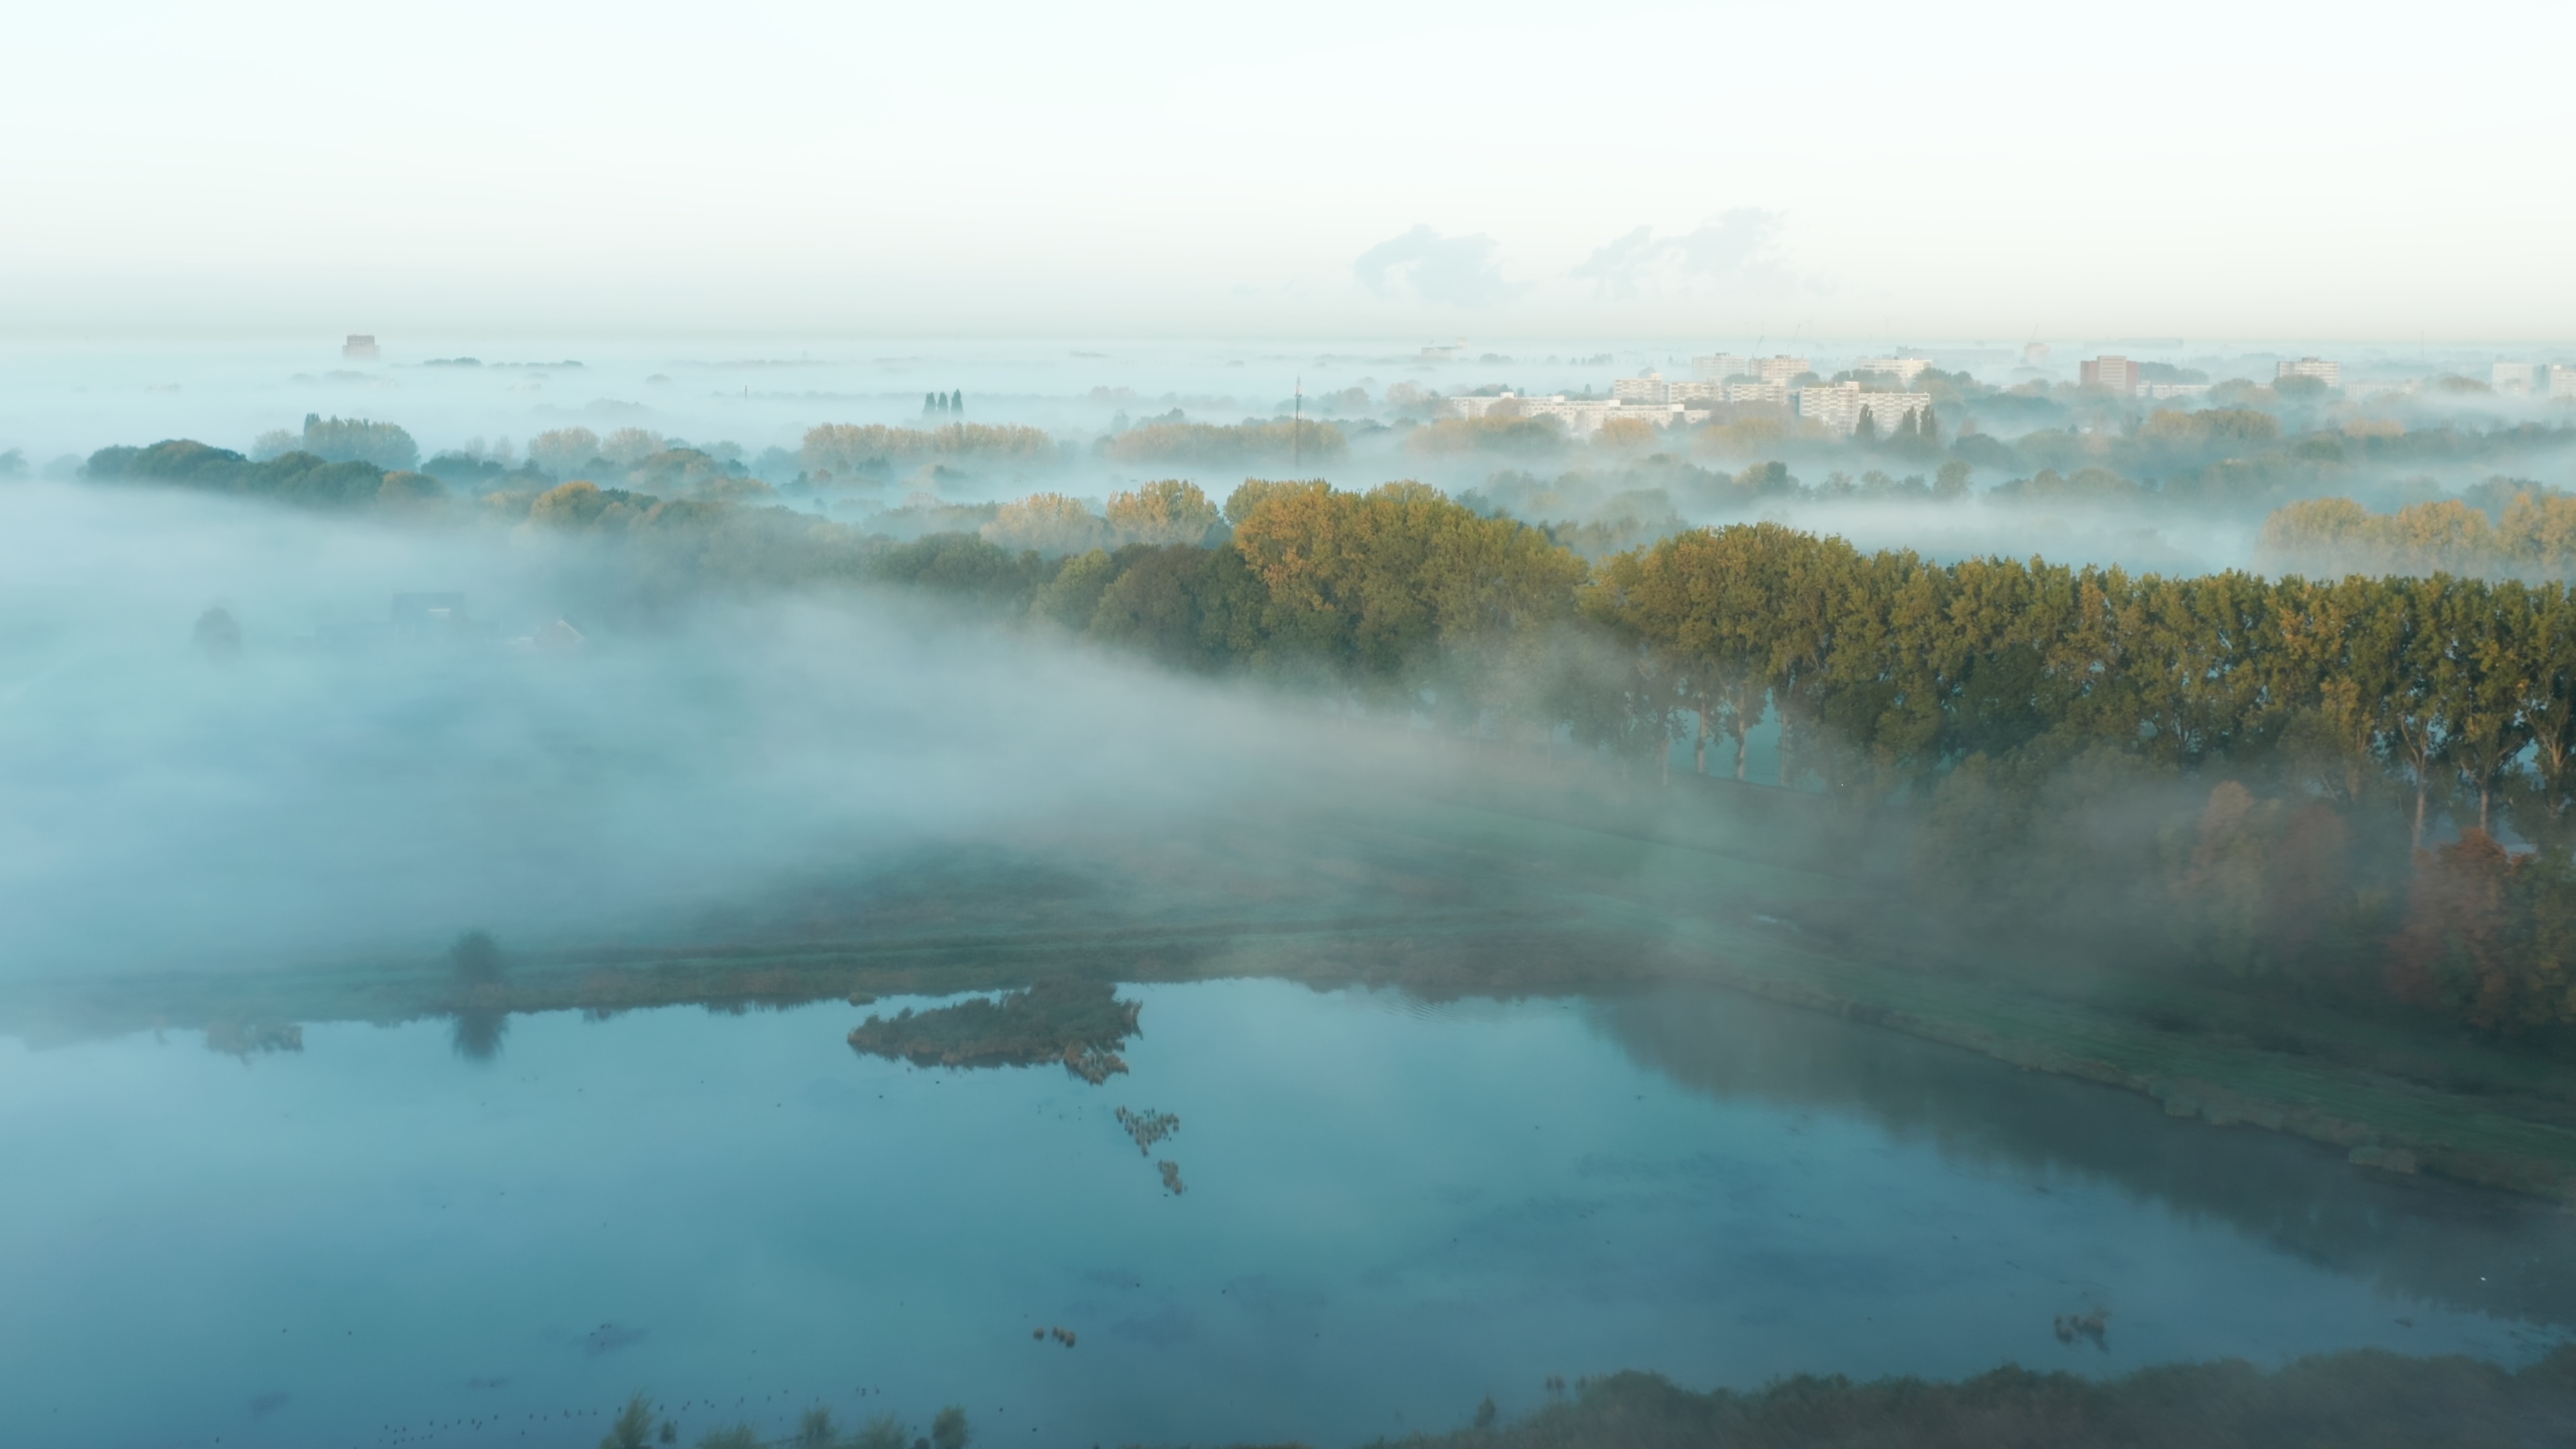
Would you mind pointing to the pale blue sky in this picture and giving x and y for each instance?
(1972, 170)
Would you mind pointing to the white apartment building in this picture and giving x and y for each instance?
(2329, 373)
(1718, 367)
(2513, 379)
(1842, 405)
(2163, 391)
(1654, 388)
(1903, 369)
(1582, 416)
(2562, 383)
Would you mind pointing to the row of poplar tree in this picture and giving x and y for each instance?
(2228, 771)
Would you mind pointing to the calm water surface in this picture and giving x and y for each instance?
(1392, 1210)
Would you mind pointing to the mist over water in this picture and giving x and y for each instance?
(364, 870)
(353, 785)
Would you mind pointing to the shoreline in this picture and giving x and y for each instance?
(1546, 887)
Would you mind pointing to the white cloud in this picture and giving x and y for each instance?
(1459, 270)
(1736, 254)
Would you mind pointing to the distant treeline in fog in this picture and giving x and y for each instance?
(2230, 460)
(2503, 528)
(2238, 452)
(2227, 772)
(1212, 445)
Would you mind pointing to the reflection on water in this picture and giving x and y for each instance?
(1390, 1215)
(476, 1032)
(2425, 1239)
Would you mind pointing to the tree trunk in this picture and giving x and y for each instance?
(1699, 744)
(2421, 790)
(1740, 733)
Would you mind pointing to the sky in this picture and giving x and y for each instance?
(1414, 171)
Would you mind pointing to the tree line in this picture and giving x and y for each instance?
(2239, 774)
(2531, 533)
(2236, 774)
(1226, 445)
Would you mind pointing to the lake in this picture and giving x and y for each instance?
(1392, 1209)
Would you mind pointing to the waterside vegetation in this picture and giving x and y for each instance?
(1080, 1024)
(2339, 807)
(2367, 1398)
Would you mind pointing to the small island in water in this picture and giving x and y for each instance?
(1079, 1023)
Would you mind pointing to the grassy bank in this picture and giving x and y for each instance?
(2357, 1400)
(1499, 881)
(2364, 1399)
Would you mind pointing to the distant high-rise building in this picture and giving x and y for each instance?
(1903, 369)
(2118, 374)
(2513, 379)
(1650, 388)
(2329, 373)
(2034, 354)
(1782, 368)
(2562, 383)
(1477, 405)
(1841, 406)
(361, 347)
(1719, 366)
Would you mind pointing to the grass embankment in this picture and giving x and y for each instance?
(2359, 1400)
(2363, 1399)
(1775, 912)
(1502, 884)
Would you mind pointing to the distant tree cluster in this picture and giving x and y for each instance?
(1167, 512)
(2221, 457)
(1053, 524)
(348, 440)
(2534, 538)
(844, 450)
(1491, 433)
(1215, 445)
(300, 478)
(2025, 707)
(574, 452)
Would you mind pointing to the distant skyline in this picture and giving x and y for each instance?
(1506, 169)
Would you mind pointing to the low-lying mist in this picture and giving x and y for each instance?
(909, 439)
(329, 775)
